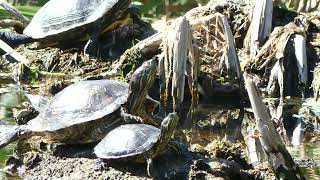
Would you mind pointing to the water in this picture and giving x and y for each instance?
(309, 151)
(11, 97)
(4, 154)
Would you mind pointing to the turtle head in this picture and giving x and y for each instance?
(141, 81)
(169, 124)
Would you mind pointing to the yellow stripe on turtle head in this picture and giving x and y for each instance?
(118, 23)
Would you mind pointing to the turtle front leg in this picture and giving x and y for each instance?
(14, 39)
(128, 118)
(176, 147)
(92, 48)
(93, 45)
(149, 166)
(148, 158)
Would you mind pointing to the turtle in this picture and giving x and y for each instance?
(85, 111)
(30, 108)
(28, 112)
(60, 20)
(138, 142)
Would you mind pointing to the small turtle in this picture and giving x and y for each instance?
(85, 111)
(60, 20)
(30, 108)
(24, 115)
(140, 142)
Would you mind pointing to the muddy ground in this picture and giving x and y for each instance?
(202, 155)
(217, 160)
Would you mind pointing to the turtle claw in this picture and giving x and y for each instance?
(149, 167)
(128, 118)
(87, 47)
(99, 165)
(92, 48)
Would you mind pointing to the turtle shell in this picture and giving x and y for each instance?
(58, 16)
(127, 140)
(79, 103)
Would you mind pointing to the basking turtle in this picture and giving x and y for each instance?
(140, 142)
(30, 108)
(28, 112)
(60, 20)
(85, 111)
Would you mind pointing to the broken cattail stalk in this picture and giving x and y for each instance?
(10, 52)
(261, 24)
(298, 132)
(316, 82)
(14, 12)
(256, 154)
(276, 80)
(232, 62)
(301, 56)
(276, 85)
(194, 59)
(279, 158)
(150, 45)
(162, 84)
(180, 53)
(175, 58)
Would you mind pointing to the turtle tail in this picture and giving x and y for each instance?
(14, 39)
(9, 134)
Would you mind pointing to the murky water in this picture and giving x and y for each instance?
(4, 154)
(311, 152)
(10, 97)
(307, 155)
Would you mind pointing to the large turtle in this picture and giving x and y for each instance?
(139, 142)
(85, 111)
(60, 20)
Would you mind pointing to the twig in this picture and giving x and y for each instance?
(9, 51)
(279, 158)
(180, 53)
(11, 23)
(14, 12)
(5, 75)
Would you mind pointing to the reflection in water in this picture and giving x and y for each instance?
(10, 97)
(312, 172)
(308, 156)
(8, 101)
(4, 154)
(306, 151)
